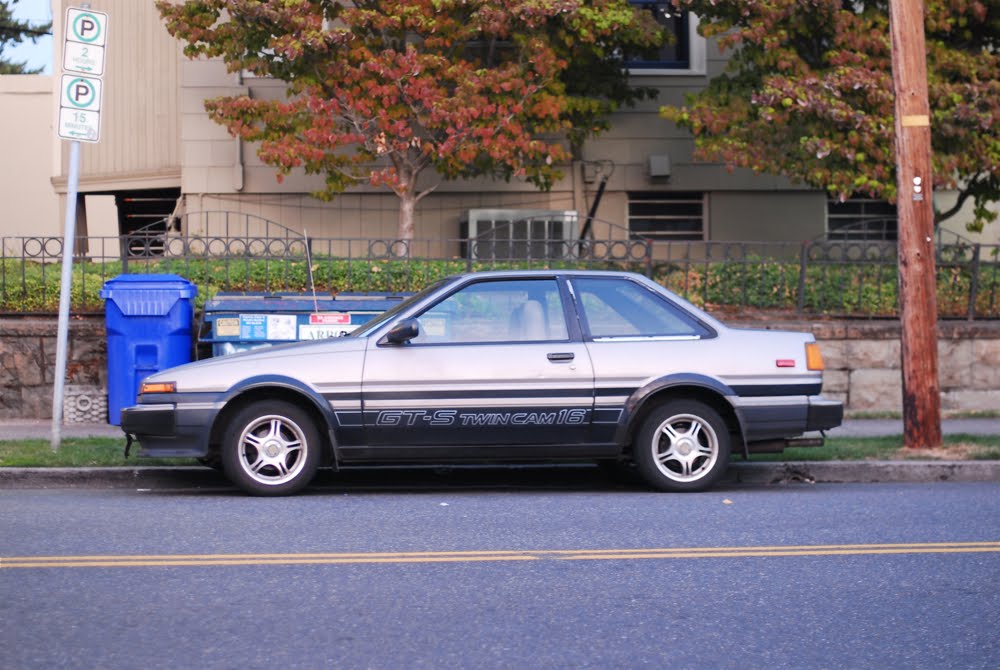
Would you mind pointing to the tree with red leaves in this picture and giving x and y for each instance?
(808, 94)
(405, 93)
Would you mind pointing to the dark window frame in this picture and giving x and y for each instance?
(675, 56)
(861, 219)
(639, 223)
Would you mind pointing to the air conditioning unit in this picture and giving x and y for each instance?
(519, 234)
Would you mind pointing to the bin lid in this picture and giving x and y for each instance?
(147, 294)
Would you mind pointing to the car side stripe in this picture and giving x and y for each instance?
(752, 391)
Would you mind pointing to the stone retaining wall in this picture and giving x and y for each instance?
(862, 366)
(27, 366)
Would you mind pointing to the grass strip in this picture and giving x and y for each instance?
(77, 453)
(110, 452)
(955, 448)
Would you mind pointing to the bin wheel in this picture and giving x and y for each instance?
(272, 448)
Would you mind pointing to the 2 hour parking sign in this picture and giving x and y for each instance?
(86, 36)
(83, 65)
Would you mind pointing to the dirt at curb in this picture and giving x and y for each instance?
(953, 452)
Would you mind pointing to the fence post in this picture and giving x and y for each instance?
(974, 282)
(3, 271)
(123, 245)
(803, 261)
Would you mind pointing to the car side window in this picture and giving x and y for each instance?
(615, 308)
(528, 310)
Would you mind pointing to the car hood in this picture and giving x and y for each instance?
(306, 361)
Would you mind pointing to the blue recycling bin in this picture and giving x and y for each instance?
(149, 325)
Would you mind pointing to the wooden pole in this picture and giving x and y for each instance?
(917, 273)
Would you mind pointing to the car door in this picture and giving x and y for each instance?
(494, 365)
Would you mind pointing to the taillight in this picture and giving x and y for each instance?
(814, 359)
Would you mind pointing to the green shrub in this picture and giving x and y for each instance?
(867, 289)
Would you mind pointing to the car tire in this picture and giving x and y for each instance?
(271, 448)
(683, 445)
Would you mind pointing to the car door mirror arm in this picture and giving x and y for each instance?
(401, 333)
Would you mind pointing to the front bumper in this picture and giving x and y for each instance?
(168, 430)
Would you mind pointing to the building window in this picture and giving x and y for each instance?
(671, 216)
(676, 54)
(860, 219)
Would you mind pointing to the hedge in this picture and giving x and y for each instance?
(869, 290)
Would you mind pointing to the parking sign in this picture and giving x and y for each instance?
(83, 66)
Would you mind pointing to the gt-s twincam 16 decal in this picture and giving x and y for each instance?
(454, 417)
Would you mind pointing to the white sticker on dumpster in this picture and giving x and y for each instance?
(269, 327)
(312, 332)
(281, 326)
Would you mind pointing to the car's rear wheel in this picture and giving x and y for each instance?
(271, 448)
(683, 445)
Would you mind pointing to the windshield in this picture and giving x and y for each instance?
(391, 314)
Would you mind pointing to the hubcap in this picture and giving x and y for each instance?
(271, 450)
(686, 447)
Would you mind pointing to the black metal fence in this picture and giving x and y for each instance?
(834, 278)
(240, 253)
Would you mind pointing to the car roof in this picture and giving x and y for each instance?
(546, 273)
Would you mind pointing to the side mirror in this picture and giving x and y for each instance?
(402, 332)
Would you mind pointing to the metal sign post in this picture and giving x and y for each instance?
(79, 121)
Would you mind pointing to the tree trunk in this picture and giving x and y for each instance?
(917, 274)
(404, 233)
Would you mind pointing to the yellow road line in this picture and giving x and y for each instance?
(173, 560)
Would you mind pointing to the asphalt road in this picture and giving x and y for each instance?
(534, 575)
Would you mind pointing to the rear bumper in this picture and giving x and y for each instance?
(824, 413)
(779, 418)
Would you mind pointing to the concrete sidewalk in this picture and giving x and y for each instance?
(41, 429)
(887, 427)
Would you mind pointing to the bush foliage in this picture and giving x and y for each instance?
(869, 290)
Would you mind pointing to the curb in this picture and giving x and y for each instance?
(767, 474)
(862, 472)
(160, 478)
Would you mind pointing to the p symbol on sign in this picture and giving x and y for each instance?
(82, 93)
(86, 26)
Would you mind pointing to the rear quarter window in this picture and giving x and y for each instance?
(621, 308)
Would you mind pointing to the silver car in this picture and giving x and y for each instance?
(498, 366)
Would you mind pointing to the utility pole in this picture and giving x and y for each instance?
(917, 272)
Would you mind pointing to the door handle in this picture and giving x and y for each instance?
(556, 358)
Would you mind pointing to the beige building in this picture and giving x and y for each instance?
(159, 154)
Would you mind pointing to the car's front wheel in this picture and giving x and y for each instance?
(683, 445)
(272, 448)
